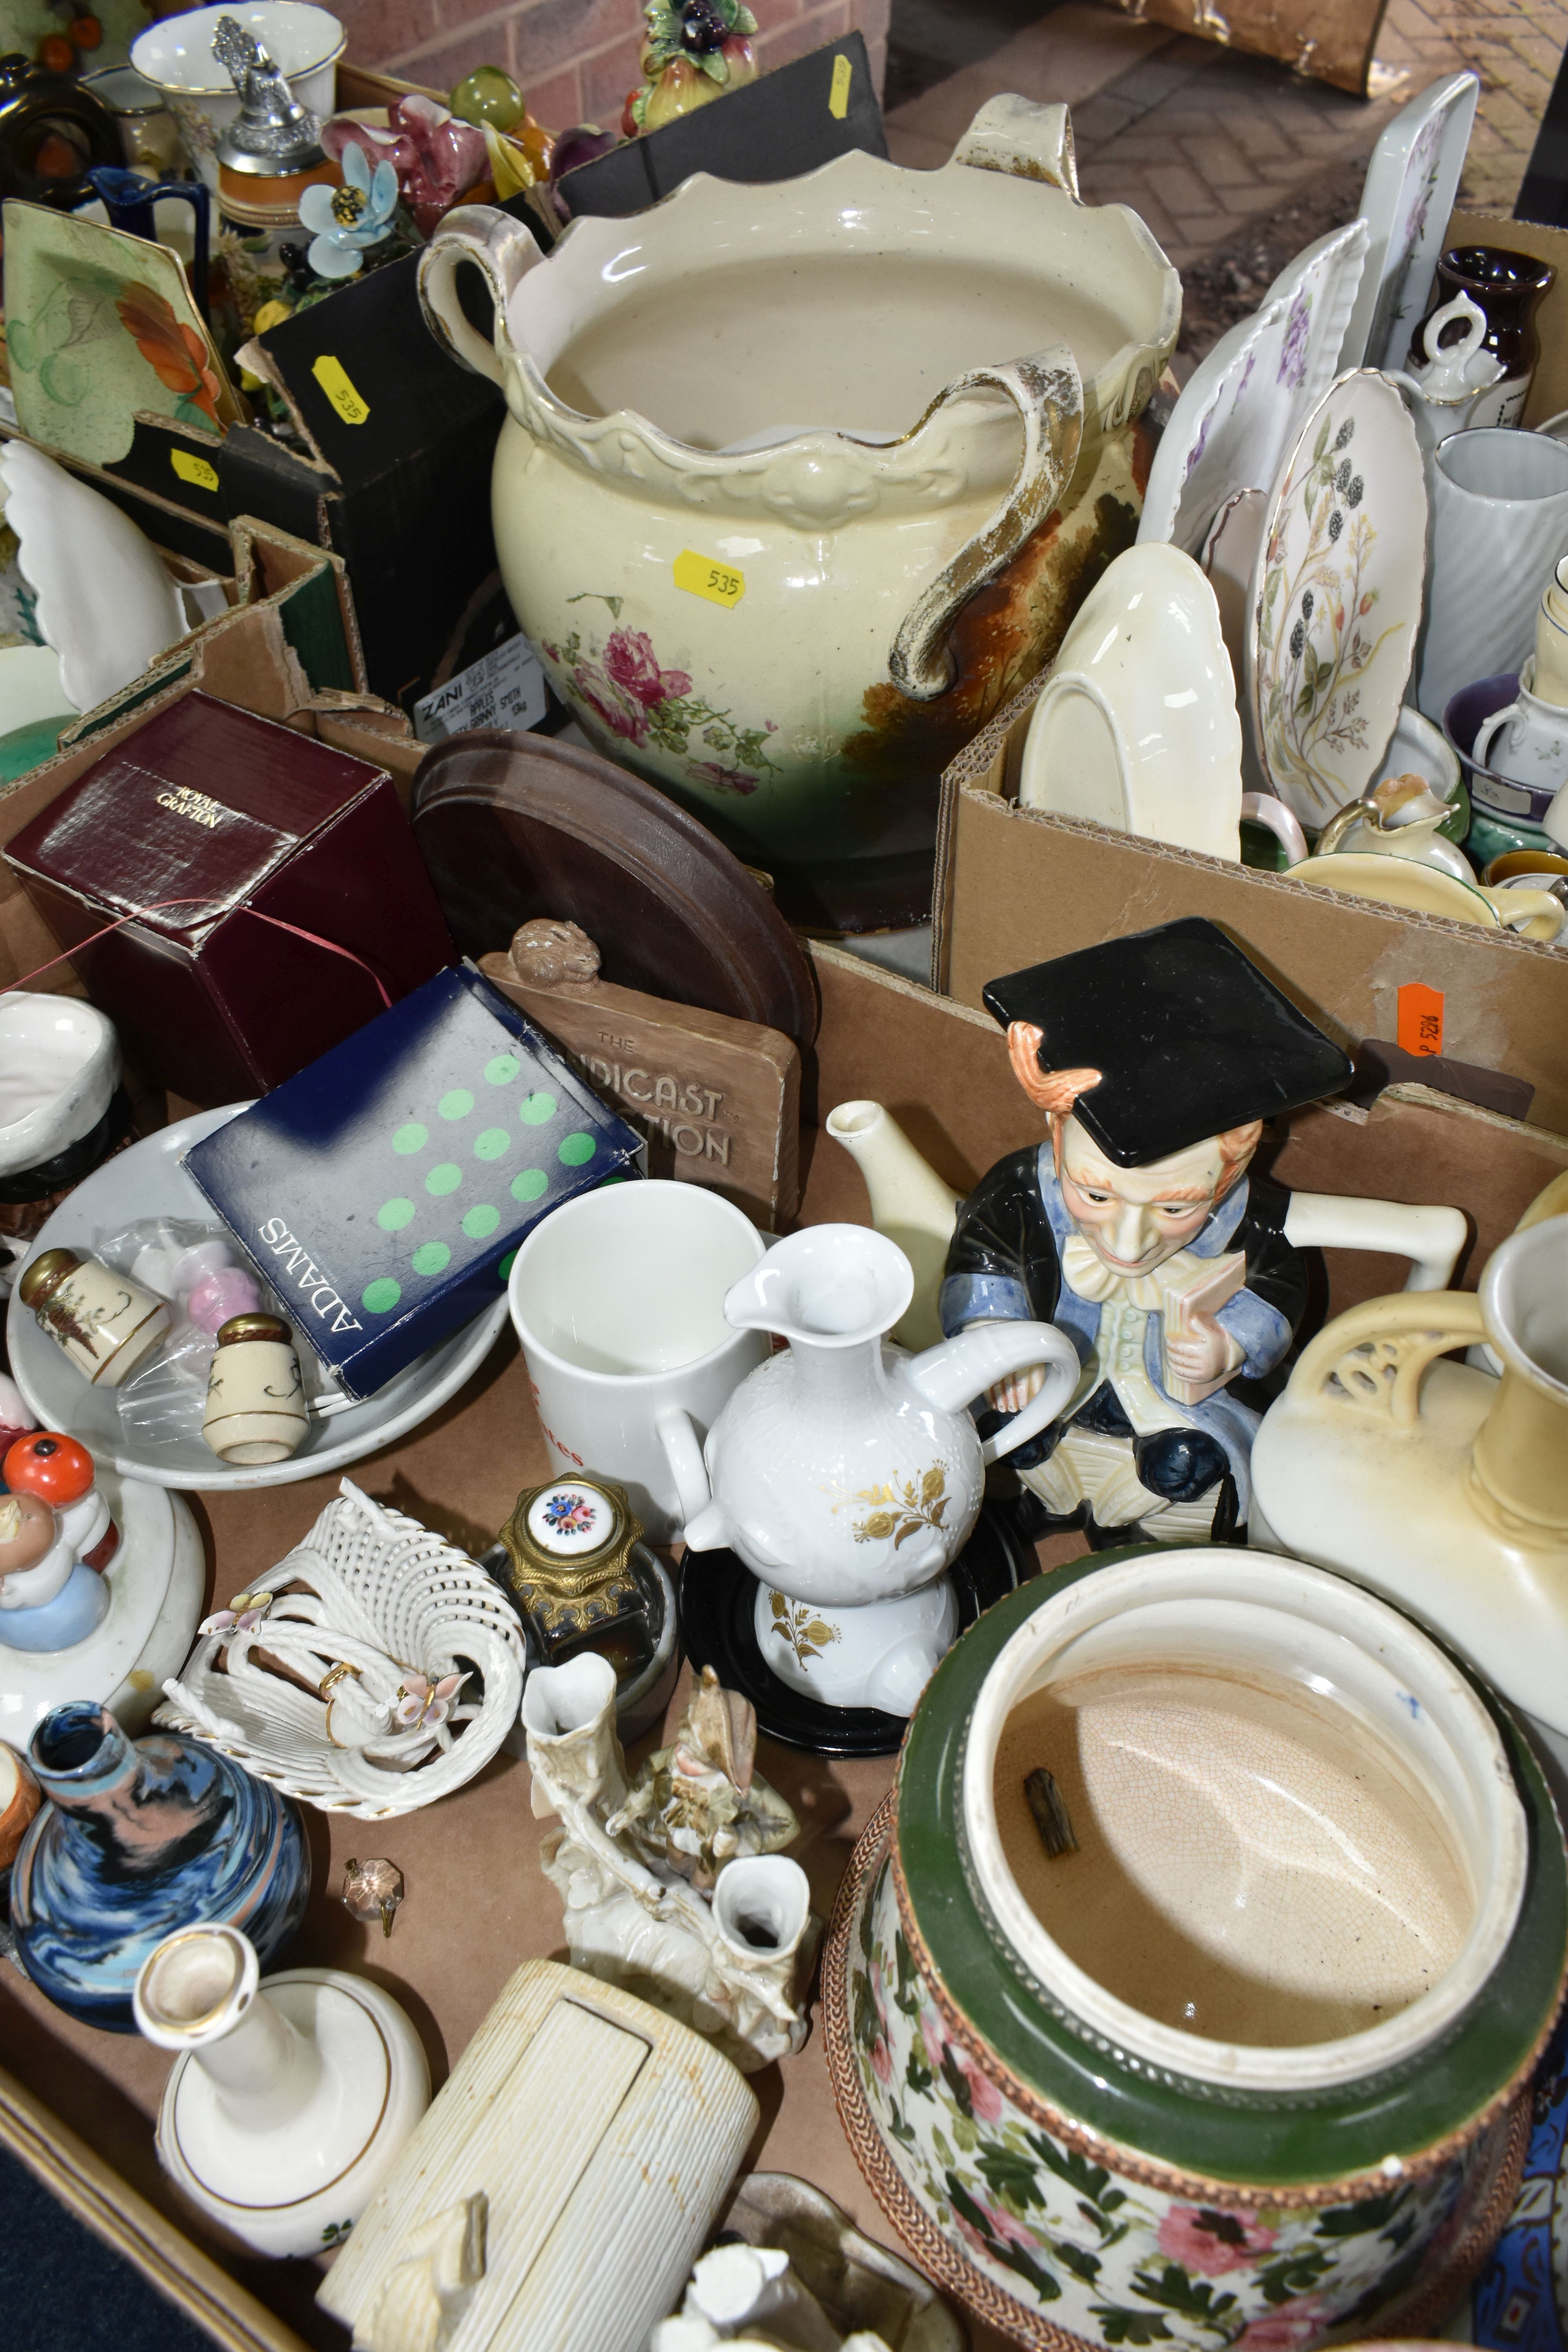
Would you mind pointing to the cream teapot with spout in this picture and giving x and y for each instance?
(799, 481)
(848, 1475)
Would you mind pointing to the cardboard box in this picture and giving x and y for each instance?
(1014, 886)
(788, 121)
(262, 898)
(77, 2106)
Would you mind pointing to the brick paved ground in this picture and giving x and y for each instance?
(1214, 147)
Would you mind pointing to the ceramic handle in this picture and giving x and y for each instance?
(1373, 1358)
(1430, 1238)
(687, 1468)
(1025, 140)
(1481, 749)
(505, 252)
(1267, 808)
(1047, 393)
(1456, 354)
(1537, 914)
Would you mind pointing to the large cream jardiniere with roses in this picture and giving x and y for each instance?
(799, 482)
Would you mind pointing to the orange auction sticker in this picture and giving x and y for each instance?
(1420, 1018)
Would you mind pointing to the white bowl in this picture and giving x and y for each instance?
(1333, 1828)
(149, 1181)
(60, 1063)
(176, 56)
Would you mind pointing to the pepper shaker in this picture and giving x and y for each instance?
(256, 1408)
(105, 1323)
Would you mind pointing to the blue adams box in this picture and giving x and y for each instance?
(382, 1191)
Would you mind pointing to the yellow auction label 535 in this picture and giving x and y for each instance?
(721, 583)
(338, 385)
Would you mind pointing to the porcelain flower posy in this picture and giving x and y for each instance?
(347, 221)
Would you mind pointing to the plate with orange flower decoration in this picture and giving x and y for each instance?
(102, 327)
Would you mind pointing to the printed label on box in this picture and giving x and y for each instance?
(1420, 1018)
(505, 688)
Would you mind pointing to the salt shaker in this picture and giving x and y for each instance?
(256, 1408)
(105, 1323)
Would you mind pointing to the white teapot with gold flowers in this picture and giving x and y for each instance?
(847, 1473)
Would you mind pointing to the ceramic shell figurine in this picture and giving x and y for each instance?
(734, 1970)
(105, 1323)
(256, 1408)
(697, 1803)
(1135, 1229)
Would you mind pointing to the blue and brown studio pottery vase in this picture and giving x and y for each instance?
(140, 1838)
(1230, 2042)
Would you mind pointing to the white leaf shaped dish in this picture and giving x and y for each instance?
(385, 1600)
(1242, 407)
(1136, 726)
(106, 604)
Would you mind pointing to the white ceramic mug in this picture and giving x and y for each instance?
(618, 1300)
(1500, 523)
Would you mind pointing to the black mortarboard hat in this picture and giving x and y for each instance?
(1190, 1036)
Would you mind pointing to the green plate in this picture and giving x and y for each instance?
(1231, 2135)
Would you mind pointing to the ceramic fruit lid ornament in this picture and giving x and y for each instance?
(694, 50)
(1335, 599)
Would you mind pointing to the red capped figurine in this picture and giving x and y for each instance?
(60, 1473)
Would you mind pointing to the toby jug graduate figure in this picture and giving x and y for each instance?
(1135, 1227)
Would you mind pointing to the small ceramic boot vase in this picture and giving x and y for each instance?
(630, 1864)
(1444, 1490)
(290, 2103)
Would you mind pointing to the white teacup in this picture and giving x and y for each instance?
(618, 1299)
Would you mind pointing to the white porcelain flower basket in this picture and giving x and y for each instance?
(403, 1667)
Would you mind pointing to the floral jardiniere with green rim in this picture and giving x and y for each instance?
(1080, 2171)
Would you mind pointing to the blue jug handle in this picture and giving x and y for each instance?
(129, 199)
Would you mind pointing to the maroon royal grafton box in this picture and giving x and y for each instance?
(239, 818)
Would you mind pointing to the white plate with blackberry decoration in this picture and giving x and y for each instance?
(1335, 599)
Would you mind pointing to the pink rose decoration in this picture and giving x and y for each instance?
(228, 1290)
(630, 659)
(983, 2096)
(437, 157)
(930, 2034)
(881, 2063)
(1213, 2243)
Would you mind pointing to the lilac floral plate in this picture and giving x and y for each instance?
(1244, 405)
(1335, 599)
